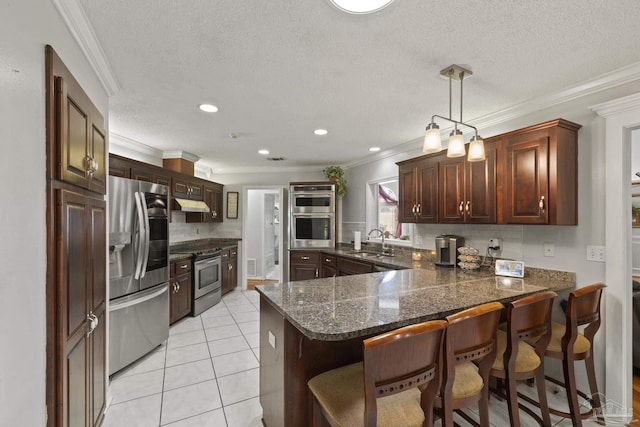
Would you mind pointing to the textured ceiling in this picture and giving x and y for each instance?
(279, 69)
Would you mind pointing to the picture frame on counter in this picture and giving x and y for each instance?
(509, 268)
(232, 205)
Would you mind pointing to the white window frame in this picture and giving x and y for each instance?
(371, 214)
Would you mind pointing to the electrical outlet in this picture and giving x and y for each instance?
(418, 239)
(595, 253)
(495, 243)
(549, 249)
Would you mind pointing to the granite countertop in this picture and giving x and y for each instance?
(186, 249)
(340, 308)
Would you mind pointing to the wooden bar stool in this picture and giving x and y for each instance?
(568, 345)
(527, 318)
(470, 336)
(383, 389)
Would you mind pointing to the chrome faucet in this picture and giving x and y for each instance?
(385, 249)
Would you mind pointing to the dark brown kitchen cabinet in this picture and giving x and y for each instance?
(180, 289)
(132, 169)
(119, 166)
(229, 268)
(467, 189)
(347, 267)
(185, 188)
(212, 196)
(81, 158)
(418, 184)
(76, 251)
(82, 285)
(304, 265)
(329, 265)
(539, 175)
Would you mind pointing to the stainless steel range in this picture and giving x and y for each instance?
(207, 279)
(207, 283)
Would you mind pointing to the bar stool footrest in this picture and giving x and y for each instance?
(583, 415)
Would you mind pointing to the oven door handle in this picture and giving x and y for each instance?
(312, 215)
(215, 260)
(147, 240)
(141, 231)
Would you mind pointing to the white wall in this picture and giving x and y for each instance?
(25, 27)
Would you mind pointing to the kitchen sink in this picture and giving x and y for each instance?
(370, 254)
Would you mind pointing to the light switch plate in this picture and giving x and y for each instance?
(272, 340)
(595, 253)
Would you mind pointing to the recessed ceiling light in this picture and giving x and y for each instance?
(208, 108)
(359, 6)
(320, 132)
(374, 149)
(264, 152)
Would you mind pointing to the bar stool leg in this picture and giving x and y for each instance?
(593, 386)
(542, 397)
(572, 390)
(512, 401)
(483, 407)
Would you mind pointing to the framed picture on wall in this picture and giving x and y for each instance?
(232, 204)
(635, 210)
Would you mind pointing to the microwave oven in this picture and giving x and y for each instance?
(313, 198)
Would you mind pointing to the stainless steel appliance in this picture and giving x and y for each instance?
(207, 281)
(313, 215)
(313, 198)
(447, 249)
(138, 269)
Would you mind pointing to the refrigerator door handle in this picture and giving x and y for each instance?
(147, 240)
(139, 298)
(141, 231)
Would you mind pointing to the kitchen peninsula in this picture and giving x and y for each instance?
(311, 326)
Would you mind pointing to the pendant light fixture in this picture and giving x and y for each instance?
(432, 142)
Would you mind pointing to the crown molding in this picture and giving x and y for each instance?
(180, 154)
(266, 169)
(78, 24)
(617, 106)
(129, 144)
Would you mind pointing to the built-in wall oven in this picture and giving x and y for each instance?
(313, 215)
(207, 283)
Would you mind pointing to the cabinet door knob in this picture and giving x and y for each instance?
(468, 207)
(541, 204)
(305, 258)
(413, 209)
(418, 208)
(317, 273)
(178, 285)
(461, 207)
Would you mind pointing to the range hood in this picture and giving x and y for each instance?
(191, 205)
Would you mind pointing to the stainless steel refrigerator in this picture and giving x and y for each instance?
(138, 269)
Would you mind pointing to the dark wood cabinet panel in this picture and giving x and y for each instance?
(81, 134)
(184, 188)
(427, 209)
(418, 185)
(540, 174)
(347, 267)
(82, 288)
(229, 269)
(180, 289)
(467, 189)
(304, 265)
(212, 196)
(452, 200)
(480, 188)
(119, 166)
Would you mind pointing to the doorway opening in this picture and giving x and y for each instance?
(264, 235)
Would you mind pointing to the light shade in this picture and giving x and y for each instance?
(432, 142)
(456, 144)
(360, 6)
(476, 149)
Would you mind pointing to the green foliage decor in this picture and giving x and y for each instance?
(336, 174)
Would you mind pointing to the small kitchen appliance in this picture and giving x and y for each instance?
(447, 249)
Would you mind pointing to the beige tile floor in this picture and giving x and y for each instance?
(206, 375)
